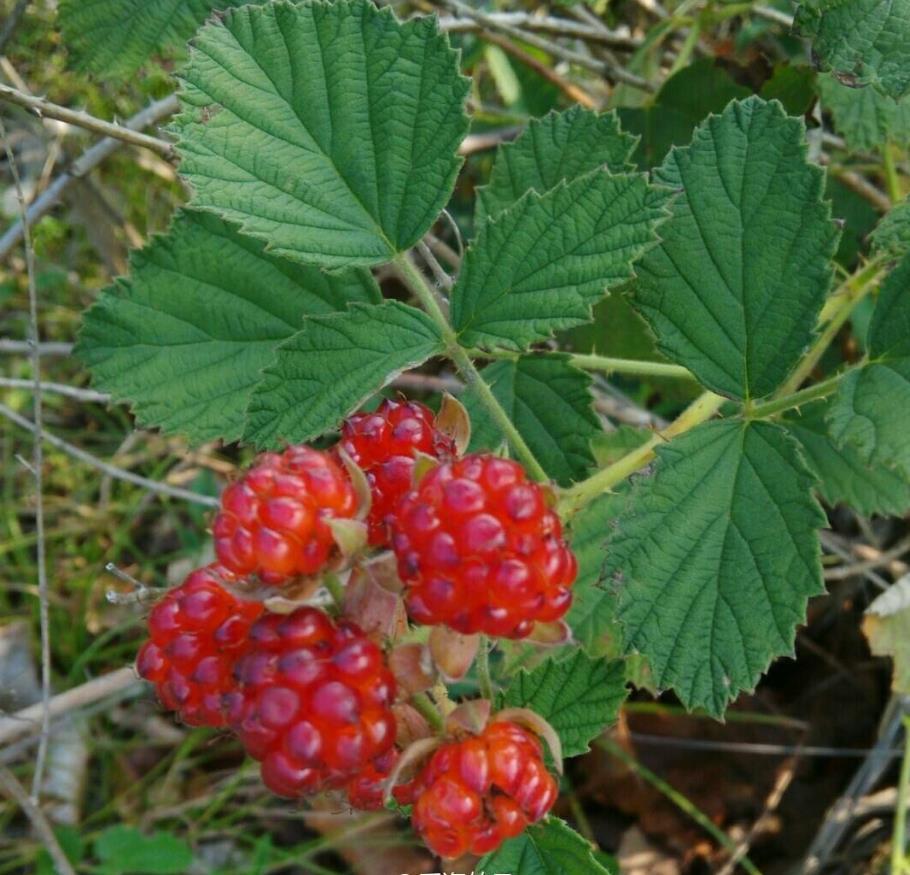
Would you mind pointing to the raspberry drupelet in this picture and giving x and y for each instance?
(273, 521)
(383, 444)
(197, 631)
(479, 550)
(474, 794)
(313, 702)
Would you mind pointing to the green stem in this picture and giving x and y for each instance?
(603, 364)
(423, 704)
(700, 410)
(682, 802)
(786, 402)
(608, 365)
(836, 312)
(484, 679)
(892, 180)
(336, 590)
(418, 285)
(899, 839)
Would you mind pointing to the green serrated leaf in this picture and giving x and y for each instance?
(892, 234)
(865, 117)
(592, 616)
(550, 847)
(871, 413)
(683, 101)
(123, 850)
(889, 330)
(578, 696)
(843, 475)
(328, 130)
(560, 146)
(332, 365)
(871, 410)
(549, 401)
(865, 42)
(116, 37)
(735, 287)
(716, 559)
(185, 337)
(542, 264)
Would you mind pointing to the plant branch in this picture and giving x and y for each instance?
(43, 108)
(836, 312)
(700, 410)
(86, 162)
(111, 470)
(415, 281)
(602, 68)
(56, 389)
(26, 721)
(42, 827)
(37, 471)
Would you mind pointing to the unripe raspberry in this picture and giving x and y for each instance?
(196, 632)
(474, 794)
(274, 520)
(313, 703)
(480, 551)
(383, 444)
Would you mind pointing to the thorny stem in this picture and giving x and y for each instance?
(418, 285)
(608, 365)
(835, 312)
(899, 861)
(787, 402)
(45, 109)
(700, 410)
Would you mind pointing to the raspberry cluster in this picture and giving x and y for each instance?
(311, 696)
(195, 633)
(383, 444)
(274, 520)
(313, 703)
(475, 793)
(480, 550)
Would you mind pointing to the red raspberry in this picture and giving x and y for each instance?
(474, 794)
(480, 551)
(383, 444)
(366, 790)
(313, 703)
(197, 632)
(273, 520)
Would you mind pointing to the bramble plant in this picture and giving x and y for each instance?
(510, 544)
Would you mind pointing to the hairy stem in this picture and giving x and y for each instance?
(835, 312)
(700, 410)
(418, 285)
